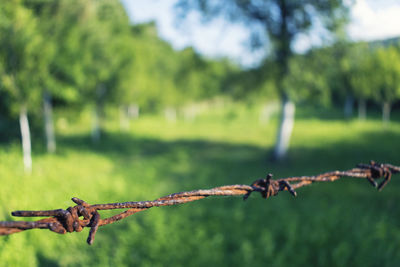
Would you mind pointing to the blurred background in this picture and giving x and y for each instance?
(114, 101)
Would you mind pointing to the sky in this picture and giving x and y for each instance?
(370, 20)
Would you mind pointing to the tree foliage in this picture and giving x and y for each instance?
(386, 79)
(280, 20)
(22, 67)
(87, 52)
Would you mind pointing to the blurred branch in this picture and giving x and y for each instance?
(74, 219)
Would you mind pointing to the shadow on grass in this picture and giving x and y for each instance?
(382, 146)
(374, 112)
(221, 159)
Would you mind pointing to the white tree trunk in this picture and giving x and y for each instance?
(170, 114)
(133, 111)
(96, 125)
(386, 113)
(124, 120)
(48, 124)
(285, 129)
(348, 107)
(362, 109)
(101, 90)
(26, 138)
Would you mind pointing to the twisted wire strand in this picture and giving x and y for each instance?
(82, 215)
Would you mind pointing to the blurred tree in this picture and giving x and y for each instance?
(307, 73)
(361, 69)
(91, 49)
(282, 20)
(22, 65)
(103, 45)
(199, 78)
(189, 76)
(340, 73)
(385, 78)
(43, 11)
(252, 84)
(151, 75)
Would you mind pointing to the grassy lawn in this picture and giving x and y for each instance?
(344, 223)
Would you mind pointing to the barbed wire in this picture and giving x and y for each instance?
(82, 215)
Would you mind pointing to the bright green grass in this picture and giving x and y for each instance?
(344, 223)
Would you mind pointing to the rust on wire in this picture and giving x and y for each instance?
(82, 215)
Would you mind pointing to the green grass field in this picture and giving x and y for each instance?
(346, 223)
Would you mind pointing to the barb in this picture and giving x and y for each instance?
(75, 218)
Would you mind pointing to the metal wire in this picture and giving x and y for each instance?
(75, 218)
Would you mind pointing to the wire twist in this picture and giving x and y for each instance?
(82, 215)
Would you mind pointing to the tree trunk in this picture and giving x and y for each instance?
(133, 111)
(48, 124)
(170, 114)
(348, 107)
(124, 121)
(386, 113)
(96, 129)
(26, 138)
(362, 109)
(285, 129)
(101, 90)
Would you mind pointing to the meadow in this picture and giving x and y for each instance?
(345, 223)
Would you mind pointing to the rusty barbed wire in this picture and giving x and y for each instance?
(67, 221)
